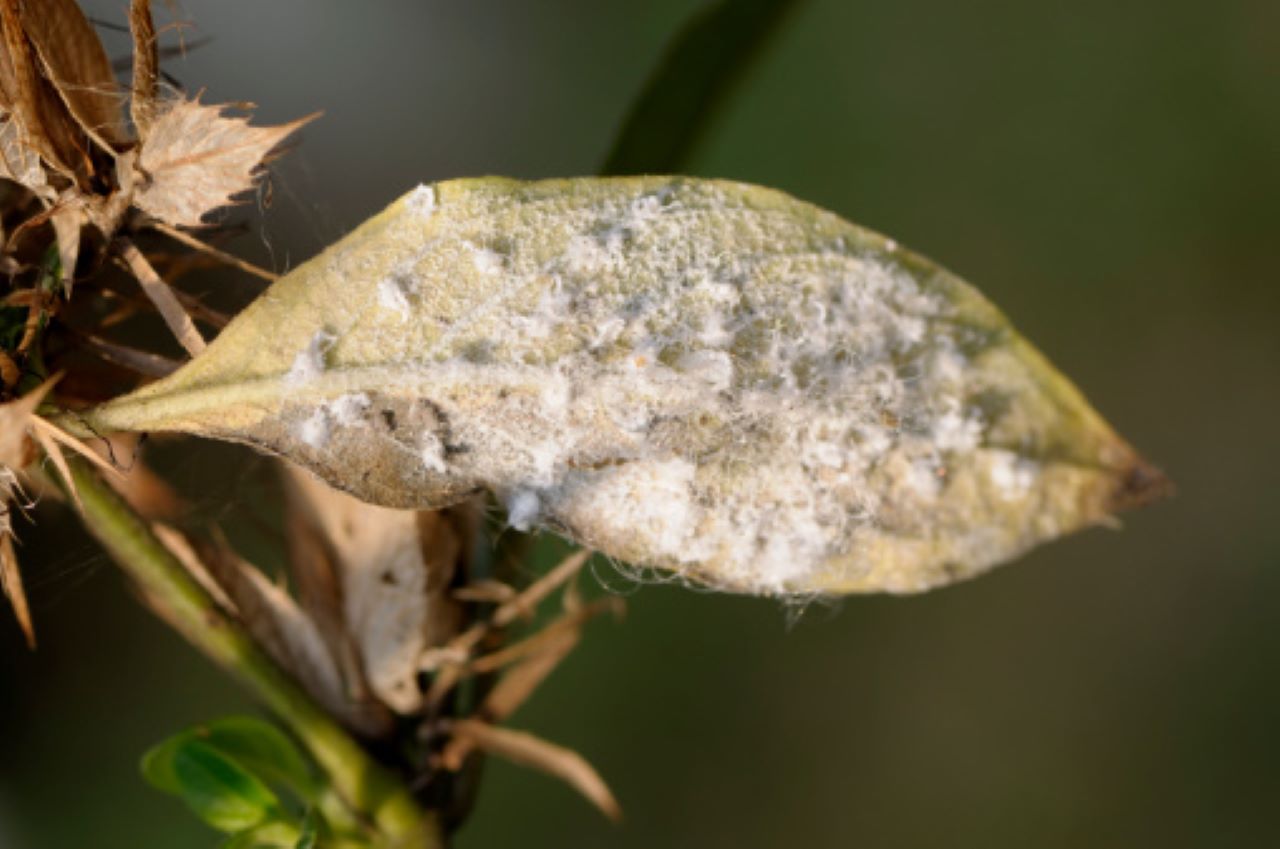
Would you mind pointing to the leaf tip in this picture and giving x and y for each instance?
(1139, 483)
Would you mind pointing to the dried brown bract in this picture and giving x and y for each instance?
(83, 181)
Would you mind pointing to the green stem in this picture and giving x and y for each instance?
(365, 785)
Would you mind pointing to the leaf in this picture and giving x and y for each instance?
(47, 127)
(394, 568)
(697, 72)
(75, 62)
(701, 376)
(264, 750)
(215, 787)
(16, 419)
(146, 65)
(309, 838)
(11, 578)
(274, 834)
(18, 162)
(195, 160)
(68, 220)
(276, 622)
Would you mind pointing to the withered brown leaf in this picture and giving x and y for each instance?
(16, 451)
(22, 433)
(393, 569)
(75, 62)
(196, 159)
(11, 580)
(146, 65)
(277, 623)
(18, 162)
(49, 130)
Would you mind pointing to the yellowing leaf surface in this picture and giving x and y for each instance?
(700, 376)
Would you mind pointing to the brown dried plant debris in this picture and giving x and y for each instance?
(525, 749)
(525, 665)
(16, 450)
(65, 138)
(195, 159)
(378, 581)
(24, 438)
(374, 606)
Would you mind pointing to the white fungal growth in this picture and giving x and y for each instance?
(924, 479)
(954, 430)
(1012, 475)
(820, 373)
(666, 522)
(487, 261)
(714, 368)
(314, 429)
(309, 363)
(392, 297)
(348, 410)
(701, 376)
(432, 452)
(422, 201)
(524, 508)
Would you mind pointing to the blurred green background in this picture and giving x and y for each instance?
(1107, 172)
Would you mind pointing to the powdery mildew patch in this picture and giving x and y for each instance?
(701, 376)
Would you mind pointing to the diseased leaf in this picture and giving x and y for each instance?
(702, 376)
(195, 159)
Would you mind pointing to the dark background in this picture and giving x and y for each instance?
(1105, 171)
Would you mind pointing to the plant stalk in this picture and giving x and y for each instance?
(365, 785)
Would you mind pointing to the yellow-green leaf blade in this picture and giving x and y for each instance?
(696, 375)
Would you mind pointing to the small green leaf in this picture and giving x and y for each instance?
(216, 788)
(263, 750)
(698, 70)
(695, 375)
(273, 834)
(309, 838)
(157, 765)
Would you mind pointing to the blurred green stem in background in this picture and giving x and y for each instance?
(692, 80)
(371, 791)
